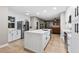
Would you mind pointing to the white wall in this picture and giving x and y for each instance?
(18, 16)
(62, 24)
(3, 25)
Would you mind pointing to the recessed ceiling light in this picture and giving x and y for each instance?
(27, 11)
(54, 8)
(44, 11)
(27, 14)
(37, 13)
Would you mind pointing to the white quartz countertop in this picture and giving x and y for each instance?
(39, 31)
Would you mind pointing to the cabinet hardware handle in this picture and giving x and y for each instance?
(77, 27)
(75, 12)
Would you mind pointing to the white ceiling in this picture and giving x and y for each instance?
(44, 12)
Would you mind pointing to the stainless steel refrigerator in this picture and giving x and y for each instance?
(22, 27)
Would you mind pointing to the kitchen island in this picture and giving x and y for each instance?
(36, 40)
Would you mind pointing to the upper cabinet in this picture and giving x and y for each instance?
(76, 11)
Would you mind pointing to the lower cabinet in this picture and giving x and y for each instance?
(56, 30)
(10, 38)
(36, 40)
(14, 35)
(46, 38)
(73, 40)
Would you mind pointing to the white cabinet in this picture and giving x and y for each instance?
(69, 39)
(18, 34)
(46, 38)
(75, 36)
(36, 40)
(73, 42)
(13, 34)
(10, 38)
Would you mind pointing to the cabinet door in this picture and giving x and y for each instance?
(75, 37)
(18, 34)
(10, 38)
(69, 39)
(14, 35)
(44, 40)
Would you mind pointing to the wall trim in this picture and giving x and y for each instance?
(1, 46)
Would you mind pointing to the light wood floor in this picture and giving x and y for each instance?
(55, 45)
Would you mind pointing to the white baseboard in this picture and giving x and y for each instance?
(4, 45)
